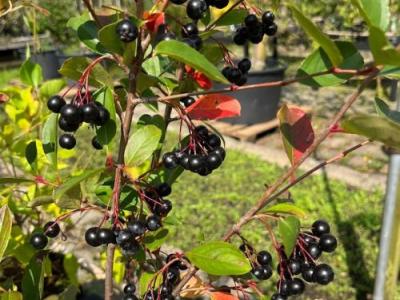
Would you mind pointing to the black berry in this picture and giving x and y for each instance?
(313, 250)
(106, 236)
(307, 272)
(320, 227)
(296, 286)
(294, 266)
(244, 65)
(262, 272)
(213, 141)
(90, 113)
(96, 144)
(251, 21)
(268, 17)
(278, 296)
(264, 258)
(323, 274)
(92, 237)
(127, 31)
(213, 161)
(137, 228)
(153, 223)
(55, 103)
(170, 161)
(187, 101)
(71, 114)
(220, 151)
(196, 163)
(189, 30)
(67, 141)
(38, 241)
(124, 236)
(66, 126)
(196, 8)
(327, 242)
(103, 116)
(164, 189)
(51, 229)
(129, 289)
(270, 29)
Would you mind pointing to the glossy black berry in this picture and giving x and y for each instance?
(201, 131)
(137, 228)
(130, 297)
(251, 21)
(204, 171)
(283, 287)
(307, 272)
(187, 101)
(256, 35)
(242, 80)
(91, 237)
(232, 74)
(313, 250)
(278, 296)
(164, 208)
(90, 113)
(308, 237)
(124, 237)
(320, 227)
(165, 289)
(262, 272)
(220, 4)
(55, 103)
(323, 274)
(239, 39)
(213, 161)
(195, 9)
(294, 266)
(103, 116)
(196, 163)
(51, 229)
(170, 161)
(327, 242)
(67, 141)
(127, 31)
(194, 41)
(96, 144)
(153, 223)
(106, 236)
(172, 275)
(164, 189)
(129, 289)
(167, 36)
(268, 17)
(38, 241)
(213, 141)
(184, 161)
(71, 114)
(68, 127)
(189, 30)
(270, 29)
(264, 258)
(244, 65)
(220, 151)
(296, 286)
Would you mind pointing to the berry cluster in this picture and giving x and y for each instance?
(238, 75)
(72, 115)
(203, 154)
(174, 264)
(261, 262)
(254, 30)
(309, 248)
(50, 230)
(127, 31)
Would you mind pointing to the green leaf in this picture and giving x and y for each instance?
(33, 279)
(289, 229)
(318, 36)
(110, 40)
(154, 240)
(219, 258)
(145, 279)
(152, 66)
(74, 67)
(374, 127)
(51, 87)
(189, 56)
(49, 139)
(384, 110)
(141, 145)
(31, 73)
(12, 180)
(233, 17)
(382, 49)
(286, 208)
(71, 267)
(74, 181)
(391, 72)
(213, 53)
(86, 30)
(10, 295)
(318, 61)
(5, 229)
(41, 200)
(31, 154)
(106, 133)
(375, 13)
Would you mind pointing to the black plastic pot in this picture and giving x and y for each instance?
(259, 104)
(48, 60)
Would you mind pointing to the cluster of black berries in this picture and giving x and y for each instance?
(203, 154)
(129, 238)
(238, 75)
(309, 248)
(127, 31)
(174, 264)
(196, 9)
(72, 116)
(254, 30)
(187, 101)
(261, 262)
(190, 35)
(39, 240)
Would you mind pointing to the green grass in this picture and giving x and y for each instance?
(6, 75)
(208, 205)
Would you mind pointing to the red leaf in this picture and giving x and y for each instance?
(154, 20)
(297, 132)
(202, 80)
(222, 296)
(213, 107)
